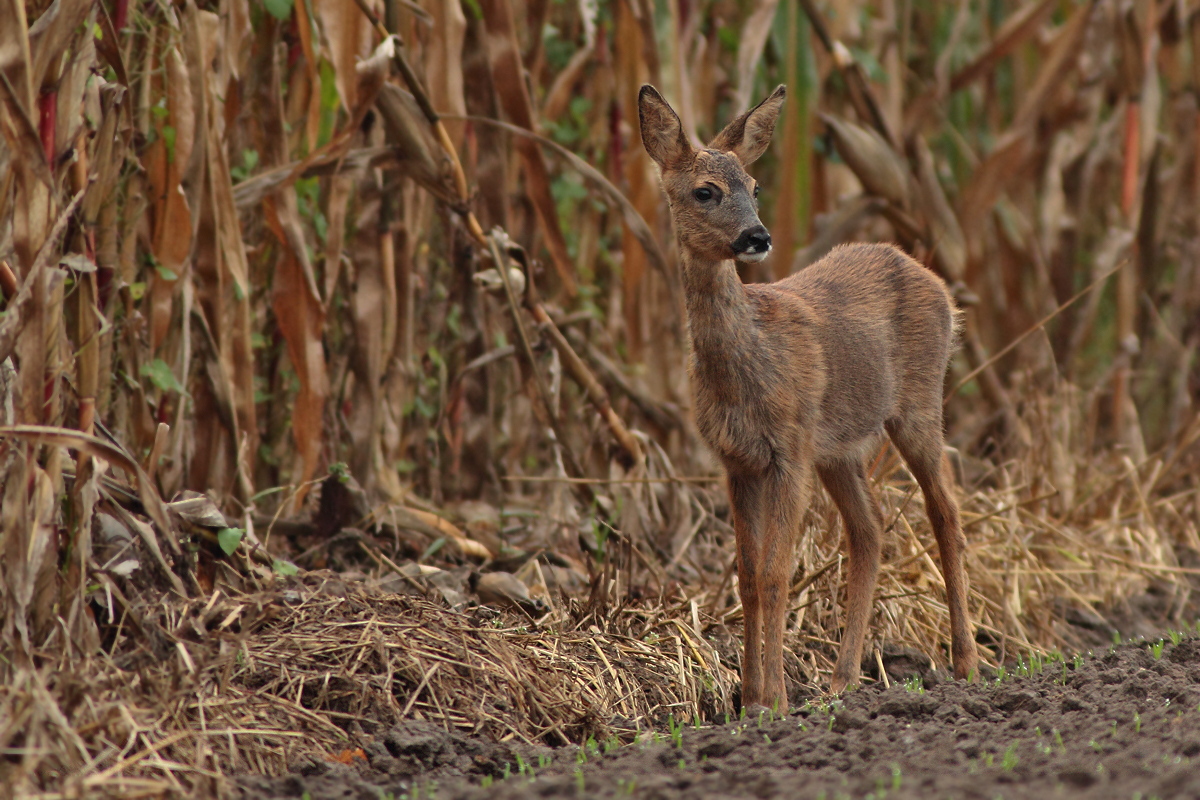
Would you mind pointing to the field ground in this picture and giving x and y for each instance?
(1122, 722)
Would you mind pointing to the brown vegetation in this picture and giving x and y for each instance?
(247, 246)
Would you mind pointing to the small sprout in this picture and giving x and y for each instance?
(1058, 740)
(1010, 758)
(682, 764)
(1156, 649)
(1137, 723)
(914, 684)
(1095, 745)
(766, 738)
(1176, 637)
(579, 781)
(895, 777)
(1077, 661)
(1000, 674)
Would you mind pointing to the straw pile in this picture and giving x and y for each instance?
(268, 681)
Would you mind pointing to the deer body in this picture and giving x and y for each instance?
(804, 376)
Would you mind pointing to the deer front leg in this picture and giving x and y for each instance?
(847, 485)
(786, 495)
(745, 496)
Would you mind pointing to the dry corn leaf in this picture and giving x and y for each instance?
(880, 169)
(508, 70)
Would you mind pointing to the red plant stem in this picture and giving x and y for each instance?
(1133, 139)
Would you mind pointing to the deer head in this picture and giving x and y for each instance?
(712, 199)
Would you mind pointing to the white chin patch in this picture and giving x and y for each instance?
(752, 258)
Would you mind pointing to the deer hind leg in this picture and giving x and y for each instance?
(921, 445)
(746, 500)
(847, 485)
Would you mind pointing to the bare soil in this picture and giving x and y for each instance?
(1122, 723)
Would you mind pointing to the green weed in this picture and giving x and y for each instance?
(1010, 758)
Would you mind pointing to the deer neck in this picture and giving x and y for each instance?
(721, 324)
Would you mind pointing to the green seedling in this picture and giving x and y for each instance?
(1156, 649)
(1058, 740)
(1010, 758)
(1176, 637)
(676, 732)
(914, 684)
(579, 781)
(1137, 722)
(895, 777)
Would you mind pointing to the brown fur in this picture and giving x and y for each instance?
(804, 376)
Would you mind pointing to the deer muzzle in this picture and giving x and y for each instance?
(752, 245)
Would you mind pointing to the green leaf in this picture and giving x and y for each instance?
(160, 374)
(279, 9)
(282, 567)
(436, 545)
(166, 273)
(168, 134)
(229, 538)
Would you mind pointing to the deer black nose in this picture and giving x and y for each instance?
(753, 241)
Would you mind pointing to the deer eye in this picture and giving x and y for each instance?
(703, 194)
(756, 190)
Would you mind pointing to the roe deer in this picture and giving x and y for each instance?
(800, 374)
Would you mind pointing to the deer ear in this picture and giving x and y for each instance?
(748, 136)
(662, 132)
